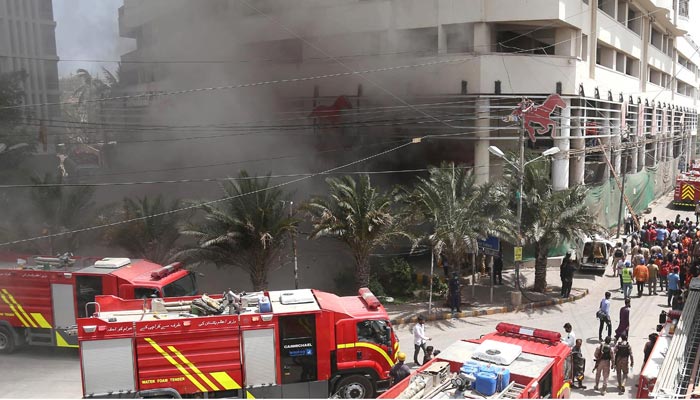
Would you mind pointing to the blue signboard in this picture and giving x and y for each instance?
(491, 246)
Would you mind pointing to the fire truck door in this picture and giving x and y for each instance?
(63, 315)
(87, 287)
(260, 358)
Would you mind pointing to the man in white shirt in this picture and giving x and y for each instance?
(569, 338)
(419, 339)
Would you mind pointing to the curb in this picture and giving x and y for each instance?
(492, 310)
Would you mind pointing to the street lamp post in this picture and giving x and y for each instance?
(520, 168)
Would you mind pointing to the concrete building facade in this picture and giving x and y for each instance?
(28, 42)
(626, 69)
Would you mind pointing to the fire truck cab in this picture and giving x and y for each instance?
(278, 344)
(513, 362)
(40, 297)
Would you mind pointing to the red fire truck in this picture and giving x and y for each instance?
(672, 368)
(687, 190)
(40, 297)
(296, 343)
(513, 362)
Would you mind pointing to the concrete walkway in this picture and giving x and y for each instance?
(480, 302)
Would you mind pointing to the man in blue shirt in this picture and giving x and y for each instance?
(605, 316)
(673, 284)
(661, 234)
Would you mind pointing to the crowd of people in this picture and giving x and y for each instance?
(659, 258)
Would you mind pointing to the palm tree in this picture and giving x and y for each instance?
(60, 209)
(359, 216)
(458, 210)
(549, 217)
(151, 238)
(247, 230)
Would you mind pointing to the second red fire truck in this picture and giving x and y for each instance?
(514, 362)
(40, 297)
(275, 344)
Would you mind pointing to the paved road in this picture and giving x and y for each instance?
(39, 372)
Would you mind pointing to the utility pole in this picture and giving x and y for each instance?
(294, 245)
(623, 163)
(521, 179)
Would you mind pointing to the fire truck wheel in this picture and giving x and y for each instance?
(7, 341)
(355, 387)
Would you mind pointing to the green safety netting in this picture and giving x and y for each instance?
(641, 189)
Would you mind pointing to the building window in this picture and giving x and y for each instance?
(622, 11)
(584, 47)
(657, 39)
(632, 67)
(607, 7)
(620, 62)
(605, 56)
(524, 40)
(634, 23)
(683, 8)
(48, 39)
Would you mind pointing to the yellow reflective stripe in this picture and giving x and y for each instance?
(249, 395)
(193, 368)
(61, 342)
(564, 386)
(19, 307)
(225, 380)
(396, 351)
(41, 320)
(175, 364)
(14, 310)
(369, 346)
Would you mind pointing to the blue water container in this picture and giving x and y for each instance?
(264, 303)
(502, 378)
(468, 369)
(485, 383)
(488, 368)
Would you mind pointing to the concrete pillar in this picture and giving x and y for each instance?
(483, 37)
(481, 146)
(641, 153)
(560, 164)
(644, 62)
(606, 141)
(633, 153)
(442, 39)
(565, 42)
(616, 141)
(593, 38)
(577, 161)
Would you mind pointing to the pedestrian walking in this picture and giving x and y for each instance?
(653, 277)
(579, 363)
(603, 315)
(618, 255)
(641, 275)
(455, 293)
(419, 338)
(664, 270)
(498, 269)
(400, 370)
(623, 361)
(673, 285)
(627, 279)
(697, 213)
(568, 269)
(624, 325)
(570, 337)
(602, 364)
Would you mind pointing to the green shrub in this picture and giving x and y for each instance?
(397, 277)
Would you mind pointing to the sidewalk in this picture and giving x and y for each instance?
(480, 304)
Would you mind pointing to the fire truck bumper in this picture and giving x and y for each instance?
(383, 385)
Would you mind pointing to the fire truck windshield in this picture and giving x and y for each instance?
(185, 286)
(374, 331)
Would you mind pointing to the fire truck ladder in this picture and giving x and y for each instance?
(619, 184)
(512, 391)
(679, 369)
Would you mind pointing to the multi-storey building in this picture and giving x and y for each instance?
(626, 69)
(28, 42)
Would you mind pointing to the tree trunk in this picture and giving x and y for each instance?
(258, 276)
(540, 268)
(362, 270)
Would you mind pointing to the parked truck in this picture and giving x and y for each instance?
(512, 362)
(292, 343)
(40, 297)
